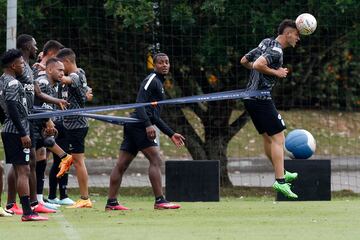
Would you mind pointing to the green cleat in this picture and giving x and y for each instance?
(284, 189)
(289, 177)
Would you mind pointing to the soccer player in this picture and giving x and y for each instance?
(27, 45)
(75, 89)
(265, 63)
(48, 84)
(50, 49)
(141, 137)
(16, 129)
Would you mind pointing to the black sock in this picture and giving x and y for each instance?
(40, 176)
(160, 199)
(53, 180)
(25, 203)
(34, 203)
(84, 198)
(9, 205)
(280, 180)
(63, 181)
(112, 202)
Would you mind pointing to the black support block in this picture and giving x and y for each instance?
(192, 181)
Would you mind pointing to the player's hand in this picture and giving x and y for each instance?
(63, 104)
(39, 66)
(282, 72)
(89, 95)
(50, 129)
(65, 80)
(26, 141)
(178, 139)
(151, 132)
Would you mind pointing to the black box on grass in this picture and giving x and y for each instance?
(192, 181)
(313, 182)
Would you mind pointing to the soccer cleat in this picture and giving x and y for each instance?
(116, 207)
(40, 208)
(289, 177)
(4, 213)
(33, 217)
(65, 165)
(53, 201)
(52, 206)
(15, 209)
(81, 203)
(66, 201)
(284, 189)
(166, 205)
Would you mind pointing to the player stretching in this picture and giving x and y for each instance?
(141, 137)
(76, 127)
(265, 63)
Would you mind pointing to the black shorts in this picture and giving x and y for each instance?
(76, 139)
(14, 151)
(264, 115)
(135, 139)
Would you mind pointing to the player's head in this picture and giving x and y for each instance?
(54, 69)
(161, 63)
(288, 30)
(51, 48)
(13, 61)
(27, 45)
(67, 57)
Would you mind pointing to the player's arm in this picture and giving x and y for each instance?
(261, 65)
(176, 138)
(16, 119)
(246, 63)
(46, 98)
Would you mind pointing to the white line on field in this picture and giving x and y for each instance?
(67, 228)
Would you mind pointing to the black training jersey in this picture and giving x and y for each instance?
(12, 90)
(152, 90)
(47, 88)
(27, 81)
(271, 50)
(75, 94)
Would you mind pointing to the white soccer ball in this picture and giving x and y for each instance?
(306, 23)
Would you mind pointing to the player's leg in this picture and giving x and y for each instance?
(123, 162)
(76, 138)
(3, 212)
(153, 155)
(11, 193)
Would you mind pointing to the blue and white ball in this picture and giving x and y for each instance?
(300, 144)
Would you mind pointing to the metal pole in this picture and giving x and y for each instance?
(11, 24)
(11, 21)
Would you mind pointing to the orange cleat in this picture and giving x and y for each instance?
(81, 203)
(65, 165)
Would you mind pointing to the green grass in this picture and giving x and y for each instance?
(231, 218)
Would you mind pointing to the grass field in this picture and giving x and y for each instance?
(231, 218)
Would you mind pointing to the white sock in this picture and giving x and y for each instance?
(40, 198)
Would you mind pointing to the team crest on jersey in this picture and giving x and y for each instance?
(64, 94)
(29, 87)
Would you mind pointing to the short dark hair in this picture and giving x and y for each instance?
(284, 24)
(158, 55)
(22, 41)
(67, 53)
(52, 60)
(8, 57)
(52, 45)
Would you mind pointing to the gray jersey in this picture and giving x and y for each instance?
(47, 88)
(27, 80)
(12, 90)
(271, 50)
(75, 94)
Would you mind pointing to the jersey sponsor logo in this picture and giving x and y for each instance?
(64, 94)
(13, 82)
(47, 106)
(44, 81)
(29, 87)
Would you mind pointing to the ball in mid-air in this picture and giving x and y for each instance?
(306, 23)
(300, 144)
